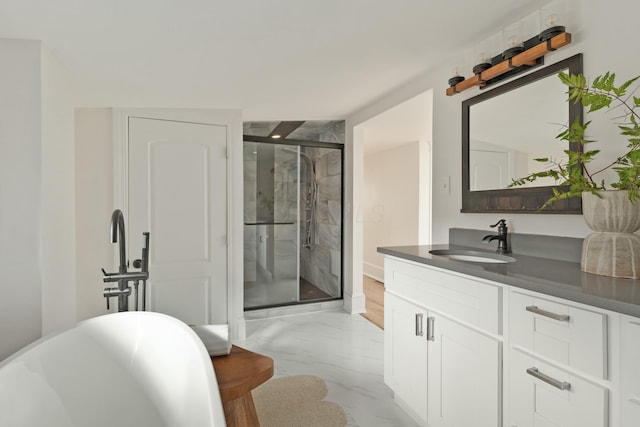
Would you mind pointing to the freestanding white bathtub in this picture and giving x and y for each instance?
(124, 369)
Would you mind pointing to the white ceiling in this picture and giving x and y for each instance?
(275, 59)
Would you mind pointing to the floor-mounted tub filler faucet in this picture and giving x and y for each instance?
(501, 237)
(123, 277)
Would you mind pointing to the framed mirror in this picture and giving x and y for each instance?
(505, 129)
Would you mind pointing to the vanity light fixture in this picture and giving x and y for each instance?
(533, 54)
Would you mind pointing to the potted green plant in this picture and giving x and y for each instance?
(612, 249)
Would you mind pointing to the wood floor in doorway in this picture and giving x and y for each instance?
(374, 301)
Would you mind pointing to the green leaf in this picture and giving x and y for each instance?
(622, 89)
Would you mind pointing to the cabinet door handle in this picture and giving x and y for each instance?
(419, 331)
(430, 329)
(545, 313)
(560, 385)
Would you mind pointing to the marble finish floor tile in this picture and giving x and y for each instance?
(345, 350)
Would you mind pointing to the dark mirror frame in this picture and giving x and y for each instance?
(518, 199)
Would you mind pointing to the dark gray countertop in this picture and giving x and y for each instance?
(562, 279)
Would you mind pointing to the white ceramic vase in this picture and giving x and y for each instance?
(613, 248)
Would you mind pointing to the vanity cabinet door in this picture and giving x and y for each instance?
(630, 372)
(544, 395)
(464, 376)
(405, 353)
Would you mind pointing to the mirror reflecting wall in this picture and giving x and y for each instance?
(505, 129)
(507, 133)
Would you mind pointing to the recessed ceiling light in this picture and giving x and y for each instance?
(275, 136)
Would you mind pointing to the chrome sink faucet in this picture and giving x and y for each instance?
(501, 237)
(123, 277)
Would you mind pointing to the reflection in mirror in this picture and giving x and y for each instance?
(507, 133)
(505, 129)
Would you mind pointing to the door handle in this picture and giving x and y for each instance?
(431, 328)
(560, 385)
(545, 313)
(419, 331)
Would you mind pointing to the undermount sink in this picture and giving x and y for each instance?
(473, 256)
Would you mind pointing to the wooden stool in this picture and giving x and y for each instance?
(238, 373)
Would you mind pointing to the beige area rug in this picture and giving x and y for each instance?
(296, 401)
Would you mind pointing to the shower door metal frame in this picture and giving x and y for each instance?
(316, 144)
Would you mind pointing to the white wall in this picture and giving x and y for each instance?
(605, 39)
(391, 203)
(37, 196)
(94, 205)
(58, 242)
(20, 195)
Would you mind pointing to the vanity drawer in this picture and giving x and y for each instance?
(560, 331)
(544, 395)
(460, 297)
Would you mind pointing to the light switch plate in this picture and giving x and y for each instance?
(444, 185)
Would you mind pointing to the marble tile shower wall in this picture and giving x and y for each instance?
(321, 264)
(333, 133)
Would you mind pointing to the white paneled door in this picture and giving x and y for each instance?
(177, 191)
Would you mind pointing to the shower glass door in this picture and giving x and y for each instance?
(292, 223)
(271, 224)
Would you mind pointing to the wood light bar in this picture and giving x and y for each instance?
(528, 57)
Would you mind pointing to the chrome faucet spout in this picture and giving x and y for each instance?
(117, 236)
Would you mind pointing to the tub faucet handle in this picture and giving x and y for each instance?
(115, 292)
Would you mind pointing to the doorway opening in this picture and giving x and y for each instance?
(293, 193)
(394, 189)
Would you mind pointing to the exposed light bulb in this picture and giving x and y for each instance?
(551, 20)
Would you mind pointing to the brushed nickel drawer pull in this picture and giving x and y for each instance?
(430, 329)
(545, 313)
(419, 331)
(560, 385)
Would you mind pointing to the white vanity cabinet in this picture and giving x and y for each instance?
(463, 351)
(630, 366)
(443, 350)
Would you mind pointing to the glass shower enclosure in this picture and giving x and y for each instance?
(292, 223)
